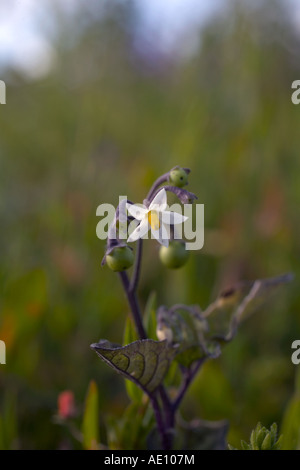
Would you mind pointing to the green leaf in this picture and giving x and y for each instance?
(145, 362)
(183, 326)
(262, 438)
(131, 429)
(274, 433)
(130, 334)
(278, 444)
(267, 443)
(244, 446)
(253, 440)
(291, 425)
(90, 425)
(231, 447)
(133, 391)
(174, 376)
(137, 422)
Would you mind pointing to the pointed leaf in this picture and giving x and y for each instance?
(183, 326)
(291, 425)
(245, 446)
(145, 362)
(136, 424)
(133, 391)
(130, 334)
(90, 425)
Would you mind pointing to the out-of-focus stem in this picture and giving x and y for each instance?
(162, 179)
(190, 374)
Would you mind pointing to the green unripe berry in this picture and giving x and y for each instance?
(178, 177)
(120, 258)
(175, 255)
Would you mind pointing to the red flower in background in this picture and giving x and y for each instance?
(66, 404)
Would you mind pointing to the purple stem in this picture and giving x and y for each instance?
(166, 442)
(132, 300)
(135, 309)
(168, 408)
(189, 376)
(162, 179)
(137, 267)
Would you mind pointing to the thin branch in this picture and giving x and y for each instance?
(135, 309)
(164, 396)
(166, 443)
(190, 375)
(137, 267)
(166, 406)
(162, 179)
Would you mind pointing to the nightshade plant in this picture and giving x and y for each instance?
(187, 336)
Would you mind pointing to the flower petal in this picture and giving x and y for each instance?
(160, 201)
(169, 217)
(138, 211)
(161, 235)
(139, 231)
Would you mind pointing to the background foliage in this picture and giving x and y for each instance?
(108, 120)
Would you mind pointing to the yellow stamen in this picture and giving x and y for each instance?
(153, 220)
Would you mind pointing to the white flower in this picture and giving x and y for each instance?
(156, 218)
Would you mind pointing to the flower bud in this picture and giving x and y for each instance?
(175, 255)
(120, 258)
(178, 177)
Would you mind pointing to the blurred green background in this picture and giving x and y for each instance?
(112, 114)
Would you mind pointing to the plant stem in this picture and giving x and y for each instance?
(167, 412)
(166, 443)
(137, 267)
(162, 179)
(189, 376)
(135, 309)
(130, 290)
